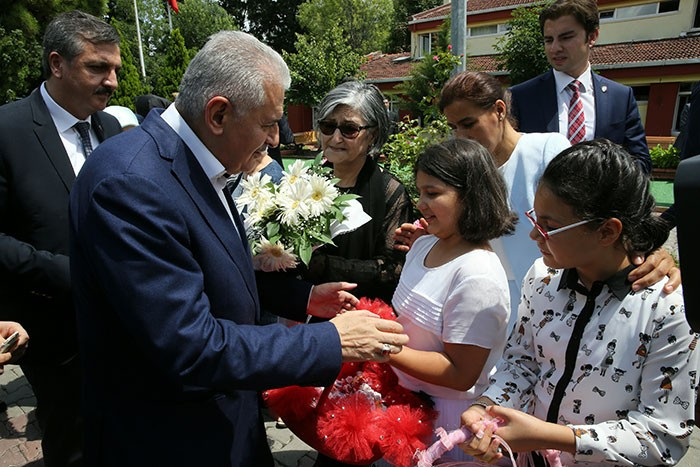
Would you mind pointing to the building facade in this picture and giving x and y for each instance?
(652, 46)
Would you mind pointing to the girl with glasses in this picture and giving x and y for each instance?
(452, 298)
(593, 369)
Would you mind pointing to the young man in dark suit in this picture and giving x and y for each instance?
(166, 296)
(41, 151)
(548, 103)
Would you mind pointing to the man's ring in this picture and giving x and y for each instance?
(386, 349)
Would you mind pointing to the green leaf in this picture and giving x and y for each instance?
(305, 251)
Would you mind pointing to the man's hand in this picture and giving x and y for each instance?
(7, 328)
(331, 298)
(406, 234)
(366, 337)
(651, 270)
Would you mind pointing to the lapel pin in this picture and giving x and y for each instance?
(604, 88)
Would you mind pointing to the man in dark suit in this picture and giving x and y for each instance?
(41, 151)
(547, 103)
(166, 296)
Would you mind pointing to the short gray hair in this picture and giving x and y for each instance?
(68, 32)
(234, 65)
(364, 99)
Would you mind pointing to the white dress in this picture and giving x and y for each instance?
(464, 301)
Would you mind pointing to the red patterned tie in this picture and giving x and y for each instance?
(577, 127)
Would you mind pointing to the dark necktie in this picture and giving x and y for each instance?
(577, 120)
(83, 129)
(236, 218)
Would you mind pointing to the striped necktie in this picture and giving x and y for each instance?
(83, 129)
(577, 120)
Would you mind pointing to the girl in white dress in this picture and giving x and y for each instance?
(452, 298)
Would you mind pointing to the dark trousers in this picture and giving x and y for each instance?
(57, 388)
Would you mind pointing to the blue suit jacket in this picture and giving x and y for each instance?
(166, 303)
(534, 106)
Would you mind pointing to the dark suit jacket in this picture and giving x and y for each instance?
(167, 301)
(534, 106)
(35, 180)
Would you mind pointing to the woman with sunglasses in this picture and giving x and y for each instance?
(353, 127)
(593, 369)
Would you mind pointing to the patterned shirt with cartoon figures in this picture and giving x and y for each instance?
(630, 392)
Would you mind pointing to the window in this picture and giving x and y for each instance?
(426, 43)
(636, 11)
(488, 30)
(683, 97)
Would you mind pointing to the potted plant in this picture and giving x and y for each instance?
(664, 162)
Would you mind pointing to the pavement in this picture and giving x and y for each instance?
(20, 437)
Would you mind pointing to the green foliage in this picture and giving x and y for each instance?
(404, 147)
(522, 48)
(198, 20)
(169, 75)
(20, 64)
(421, 92)
(320, 64)
(400, 37)
(273, 23)
(130, 84)
(665, 158)
(363, 23)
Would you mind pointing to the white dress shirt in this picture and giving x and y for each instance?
(562, 80)
(64, 122)
(213, 169)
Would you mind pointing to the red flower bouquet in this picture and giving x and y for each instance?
(364, 416)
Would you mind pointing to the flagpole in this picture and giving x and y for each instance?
(170, 20)
(138, 37)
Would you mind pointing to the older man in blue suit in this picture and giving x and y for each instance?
(570, 99)
(166, 296)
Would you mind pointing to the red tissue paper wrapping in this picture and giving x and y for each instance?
(363, 417)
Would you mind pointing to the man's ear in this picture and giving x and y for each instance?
(217, 110)
(56, 64)
(610, 231)
(593, 37)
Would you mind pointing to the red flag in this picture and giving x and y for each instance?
(173, 5)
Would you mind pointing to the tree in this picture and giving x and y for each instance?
(363, 23)
(20, 64)
(199, 19)
(271, 22)
(319, 65)
(421, 91)
(169, 75)
(130, 85)
(400, 36)
(521, 49)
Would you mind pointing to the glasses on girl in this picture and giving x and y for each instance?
(348, 130)
(546, 234)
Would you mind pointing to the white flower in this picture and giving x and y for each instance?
(296, 171)
(257, 191)
(322, 195)
(294, 204)
(273, 257)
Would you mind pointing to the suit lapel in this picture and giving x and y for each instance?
(48, 137)
(191, 177)
(602, 105)
(550, 103)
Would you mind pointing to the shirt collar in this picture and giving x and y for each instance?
(63, 119)
(562, 80)
(213, 169)
(618, 283)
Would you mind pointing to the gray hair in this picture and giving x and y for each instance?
(234, 65)
(366, 100)
(68, 32)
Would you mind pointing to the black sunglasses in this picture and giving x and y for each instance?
(348, 130)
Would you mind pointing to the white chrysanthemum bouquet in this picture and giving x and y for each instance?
(285, 222)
